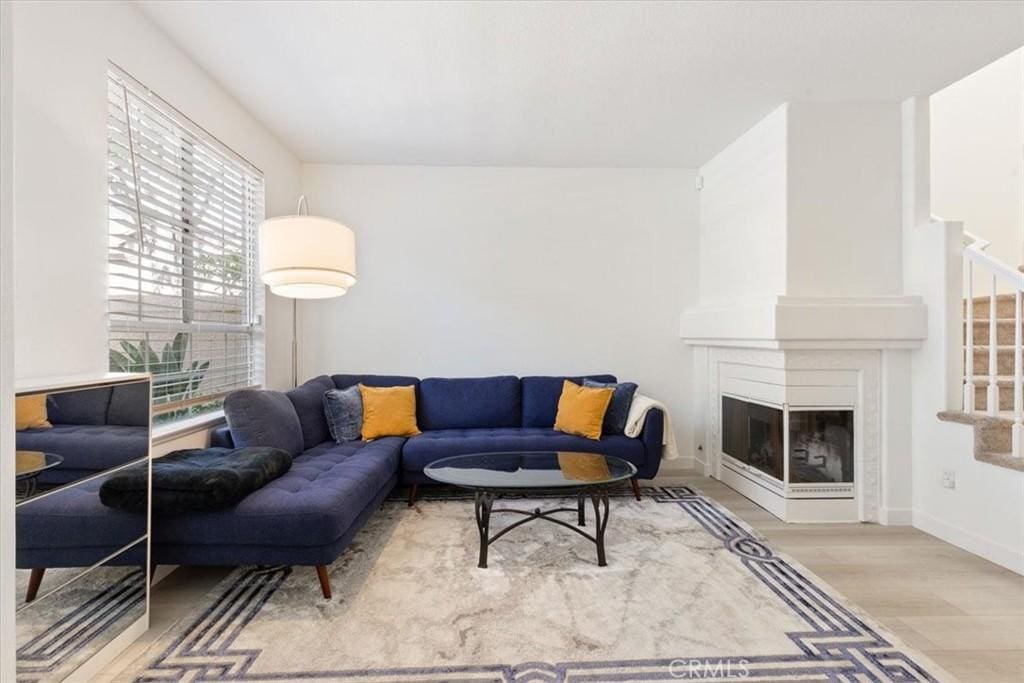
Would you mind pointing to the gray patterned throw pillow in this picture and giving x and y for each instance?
(618, 409)
(344, 411)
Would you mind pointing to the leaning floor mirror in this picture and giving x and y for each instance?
(82, 466)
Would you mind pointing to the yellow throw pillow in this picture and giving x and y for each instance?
(30, 412)
(581, 409)
(388, 411)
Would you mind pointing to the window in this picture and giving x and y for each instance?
(183, 296)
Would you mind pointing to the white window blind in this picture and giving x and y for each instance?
(184, 302)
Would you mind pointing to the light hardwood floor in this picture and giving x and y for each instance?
(964, 612)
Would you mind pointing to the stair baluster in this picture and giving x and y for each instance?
(1018, 380)
(969, 337)
(992, 398)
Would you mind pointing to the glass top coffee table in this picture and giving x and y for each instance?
(585, 475)
(27, 467)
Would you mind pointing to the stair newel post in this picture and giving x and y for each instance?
(969, 339)
(992, 397)
(1018, 379)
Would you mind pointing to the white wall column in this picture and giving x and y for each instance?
(7, 638)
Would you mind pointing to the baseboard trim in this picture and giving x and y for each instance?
(971, 542)
(673, 469)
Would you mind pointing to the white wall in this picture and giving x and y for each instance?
(60, 56)
(478, 271)
(843, 208)
(805, 204)
(743, 216)
(977, 155)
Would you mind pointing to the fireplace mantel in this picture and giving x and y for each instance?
(791, 322)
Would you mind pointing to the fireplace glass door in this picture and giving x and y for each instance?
(820, 446)
(752, 433)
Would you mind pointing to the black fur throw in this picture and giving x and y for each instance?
(196, 480)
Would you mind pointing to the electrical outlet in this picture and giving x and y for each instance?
(949, 479)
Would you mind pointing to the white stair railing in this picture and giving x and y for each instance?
(976, 258)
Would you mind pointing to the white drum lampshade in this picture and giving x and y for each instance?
(307, 257)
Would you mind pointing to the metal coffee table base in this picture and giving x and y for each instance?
(598, 497)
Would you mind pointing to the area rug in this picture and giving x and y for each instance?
(689, 592)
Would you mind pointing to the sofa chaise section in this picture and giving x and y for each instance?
(305, 517)
(309, 515)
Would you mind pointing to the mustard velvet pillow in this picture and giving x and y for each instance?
(581, 410)
(30, 412)
(388, 411)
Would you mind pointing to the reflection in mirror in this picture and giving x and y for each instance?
(65, 436)
(62, 629)
(80, 533)
(74, 526)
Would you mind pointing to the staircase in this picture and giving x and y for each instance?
(993, 359)
(982, 351)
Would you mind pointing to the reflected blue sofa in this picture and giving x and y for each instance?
(93, 429)
(311, 513)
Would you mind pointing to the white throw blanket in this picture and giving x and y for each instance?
(638, 415)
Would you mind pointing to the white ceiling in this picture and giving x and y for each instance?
(567, 83)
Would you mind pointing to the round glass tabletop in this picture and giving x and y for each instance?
(530, 470)
(31, 463)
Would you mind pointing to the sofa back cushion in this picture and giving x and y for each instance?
(469, 402)
(308, 400)
(259, 417)
(541, 394)
(82, 407)
(129, 405)
(346, 381)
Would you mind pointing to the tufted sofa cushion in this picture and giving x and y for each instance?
(313, 504)
(86, 449)
(71, 528)
(541, 394)
(420, 451)
(469, 402)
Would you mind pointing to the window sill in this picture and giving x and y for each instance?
(179, 428)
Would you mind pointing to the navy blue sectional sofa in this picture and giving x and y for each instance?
(311, 513)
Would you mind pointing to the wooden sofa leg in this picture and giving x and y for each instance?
(636, 488)
(34, 581)
(325, 580)
(412, 494)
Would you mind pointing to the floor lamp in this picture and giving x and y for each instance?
(306, 257)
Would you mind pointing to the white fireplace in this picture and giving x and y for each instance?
(796, 431)
(837, 370)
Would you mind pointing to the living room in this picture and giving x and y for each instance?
(650, 362)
